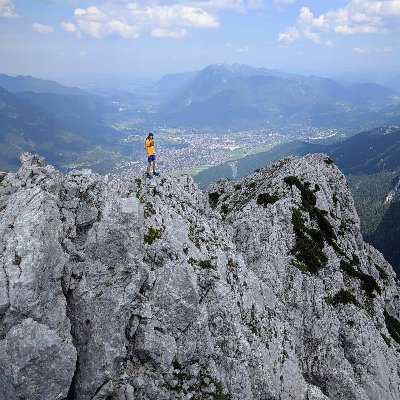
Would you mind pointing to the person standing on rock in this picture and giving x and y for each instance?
(149, 144)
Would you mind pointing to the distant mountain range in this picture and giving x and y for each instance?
(63, 124)
(224, 96)
(22, 83)
(79, 113)
(242, 96)
(394, 83)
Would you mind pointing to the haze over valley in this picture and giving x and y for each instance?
(200, 118)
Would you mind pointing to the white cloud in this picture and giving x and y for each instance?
(306, 17)
(357, 17)
(130, 20)
(91, 14)
(369, 50)
(171, 16)
(236, 5)
(7, 9)
(42, 29)
(354, 30)
(243, 49)
(329, 43)
(165, 33)
(120, 28)
(70, 27)
(222, 4)
(289, 36)
(285, 1)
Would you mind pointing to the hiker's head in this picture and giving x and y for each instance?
(151, 135)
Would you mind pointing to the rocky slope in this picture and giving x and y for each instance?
(117, 288)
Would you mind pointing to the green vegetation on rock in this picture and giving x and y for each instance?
(393, 326)
(344, 297)
(206, 264)
(213, 199)
(152, 235)
(386, 339)
(368, 282)
(309, 202)
(264, 199)
(310, 242)
(17, 260)
(308, 246)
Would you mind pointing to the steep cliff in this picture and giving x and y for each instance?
(117, 288)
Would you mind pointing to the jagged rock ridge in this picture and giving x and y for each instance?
(118, 288)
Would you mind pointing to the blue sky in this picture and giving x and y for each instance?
(126, 38)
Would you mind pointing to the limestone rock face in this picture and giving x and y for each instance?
(35, 363)
(118, 288)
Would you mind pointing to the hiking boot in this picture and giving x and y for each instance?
(156, 174)
(149, 176)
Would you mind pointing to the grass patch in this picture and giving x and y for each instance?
(219, 392)
(17, 260)
(309, 202)
(264, 199)
(186, 383)
(225, 208)
(138, 181)
(386, 339)
(382, 274)
(152, 235)
(213, 199)
(393, 326)
(328, 161)
(206, 264)
(368, 282)
(344, 297)
(307, 196)
(254, 325)
(308, 246)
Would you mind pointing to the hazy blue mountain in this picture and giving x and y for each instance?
(394, 83)
(82, 114)
(243, 96)
(25, 127)
(170, 83)
(60, 127)
(372, 94)
(21, 83)
(247, 70)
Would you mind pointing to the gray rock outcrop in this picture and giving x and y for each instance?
(118, 288)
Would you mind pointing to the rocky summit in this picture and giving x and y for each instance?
(117, 288)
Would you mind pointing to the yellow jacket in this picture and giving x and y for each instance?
(149, 145)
